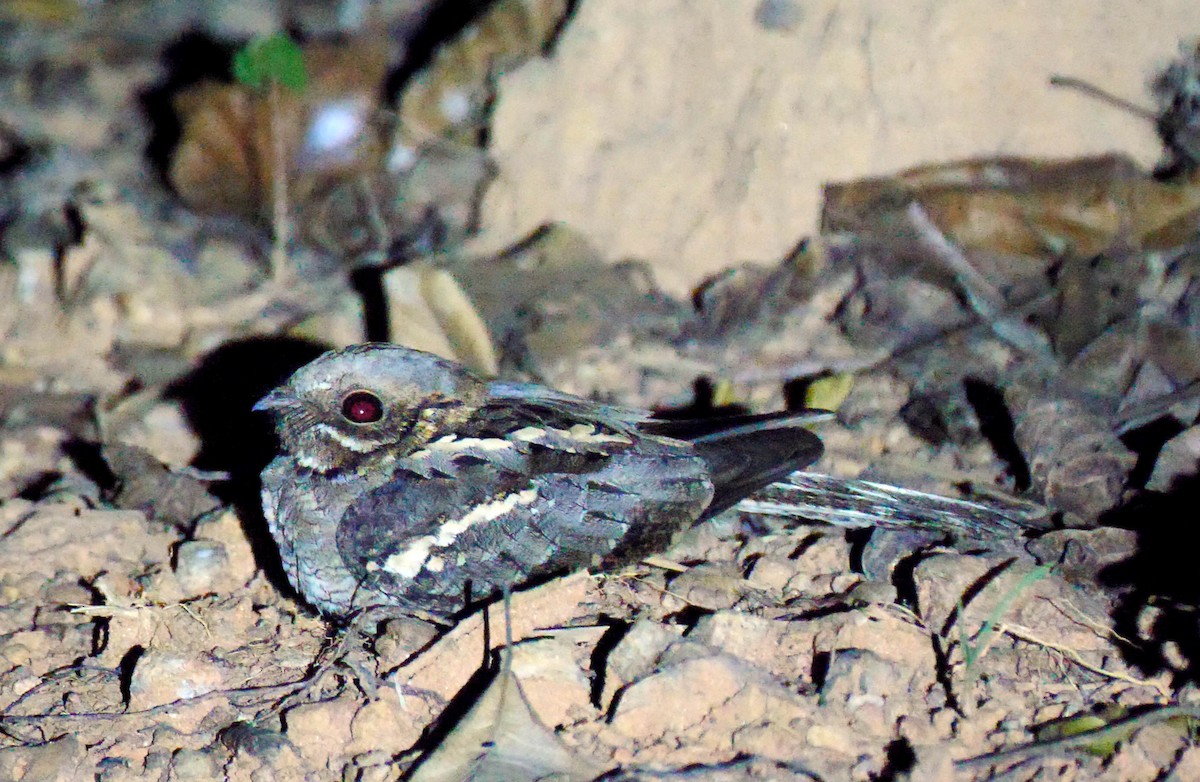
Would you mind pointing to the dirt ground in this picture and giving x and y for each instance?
(1021, 333)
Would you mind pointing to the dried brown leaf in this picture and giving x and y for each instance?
(224, 160)
(1034, 208)
(501, 739)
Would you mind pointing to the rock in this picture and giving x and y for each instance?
(784, 648)
(400, 638)
(321, 731)
(720, 690)
(792, 100)
(1080, 555)
(239, 567)
(637, 654)
(161, 677)
(712, 586)
(857, 676)
(1179, 458)
(60, 760)
(773, 572)
(199, 564)
(552, 677)
(999, 590)
(257, 740)
(82, 541)
(382, 725)
(192, 765)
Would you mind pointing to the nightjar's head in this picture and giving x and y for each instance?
(370, 401)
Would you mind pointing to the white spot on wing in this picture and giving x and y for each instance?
(584, 434)
(529, 434)
(439, 454)
(451, 444)
(408, 562)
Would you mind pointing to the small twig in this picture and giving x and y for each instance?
(1027, 635)
(265, 694)
(983, 297)
(281, 222)
(1092, 91)
(1077, 615)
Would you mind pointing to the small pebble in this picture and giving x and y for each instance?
(779, 15)
(198, 564)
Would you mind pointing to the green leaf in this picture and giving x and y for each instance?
(271, 59)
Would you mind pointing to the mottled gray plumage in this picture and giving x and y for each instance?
(406, 480)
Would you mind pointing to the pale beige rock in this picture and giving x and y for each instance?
(783, 648)
(838, 738)
(68, 536)
(636, 655)
(161, 677)
(773, 572)
(199, 564)
(382, 724)
(240, 567)
(166, 434)
(1179, 458)
(710, 700)
(689, 135)
(59, 760)
(441, 671)
(551, 676)
(1041, 607)
(322, 730)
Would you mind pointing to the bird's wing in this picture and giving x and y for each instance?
(541, 405)
(426, 541)
(747, 453)
(743, 453)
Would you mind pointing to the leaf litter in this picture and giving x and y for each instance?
(1036, 320)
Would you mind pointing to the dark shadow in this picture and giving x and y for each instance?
(195, 57)
(1161, 575)
(598, 664)
(217, 398)
(14, 153)
(444, 22)
(1147, 442)
(819, 672)
(923, 417)
(456, 710)
(88, 458)
(572, 6)
(368, 284)
(795, 391)
(703, 405)
(39, 486)
(125, 668)
(688, 617)
(997, 427)
(901, 760)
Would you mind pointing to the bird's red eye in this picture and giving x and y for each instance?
(362, 407)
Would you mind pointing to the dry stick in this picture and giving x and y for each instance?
(983, 297)
(1092, 91)
(279, 195)
(1071, 653)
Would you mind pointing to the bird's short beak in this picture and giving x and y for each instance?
(278, 399)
